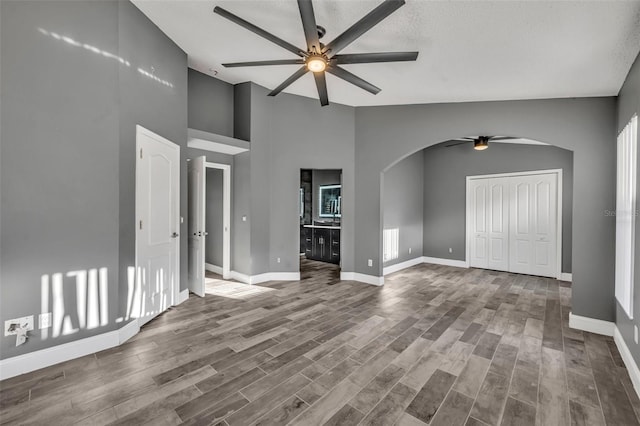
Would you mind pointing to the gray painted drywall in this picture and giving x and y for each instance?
(285, 139)
(321, 178)
(585, 126)
(213, 217)
(445, 172)
(210, 104)
(402, 205)
(155, 106)
(628, 105)
(59, 164)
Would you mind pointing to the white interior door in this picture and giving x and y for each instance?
(158, 224)
(196, 226)
(533, 228)
(479, 235)
(498, 224)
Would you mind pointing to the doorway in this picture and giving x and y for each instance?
(209, 221)
(157, 268)
(514, 222)
(320, 214)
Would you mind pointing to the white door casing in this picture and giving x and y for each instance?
(196, 225)
(226, 215)
(157, 280)
(520, 218)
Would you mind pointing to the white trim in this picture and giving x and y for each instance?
(128, 331)
(216, 143)
(566, 276)
(446, 262)
(238, 276)
(363, 278)
(592, 325)
(557, 172)
(213, 268)
(629, 362)
(36, 360)
(402, 265)
(183, 296)
(226, 214)
(274, 276)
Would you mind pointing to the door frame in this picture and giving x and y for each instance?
(226, 213)
(557, 172)
(175, 293)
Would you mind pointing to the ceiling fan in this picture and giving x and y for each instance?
(320, 58)
(480, 142)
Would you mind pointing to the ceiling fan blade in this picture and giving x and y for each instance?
(262, 33)
(456, 144)
(309, 25)
(353, 79)
(362, 26)
(296, 75)
(261, 63)
(502, 138)
(321, 84)
(367, 58)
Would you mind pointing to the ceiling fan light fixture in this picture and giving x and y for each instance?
(316, 64)
(481, 144)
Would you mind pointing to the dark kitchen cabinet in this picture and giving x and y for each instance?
(323, 244)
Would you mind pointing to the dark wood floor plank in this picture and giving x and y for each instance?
(426, 403)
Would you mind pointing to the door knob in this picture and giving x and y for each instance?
(175, 235)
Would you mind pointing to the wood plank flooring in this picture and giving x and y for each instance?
(436, 345)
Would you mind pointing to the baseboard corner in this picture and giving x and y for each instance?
(592, 325)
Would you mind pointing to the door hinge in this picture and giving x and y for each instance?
(140, 152)
(140, 224)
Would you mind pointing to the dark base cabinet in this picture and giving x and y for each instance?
(322, 244)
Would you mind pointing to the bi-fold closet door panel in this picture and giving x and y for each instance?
(533, 225)
(489, 224)
(513, 224)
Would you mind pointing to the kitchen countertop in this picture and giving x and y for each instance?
(321, 226)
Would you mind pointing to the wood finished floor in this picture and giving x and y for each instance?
(436, 345)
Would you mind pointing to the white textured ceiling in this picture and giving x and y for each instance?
(469, 50)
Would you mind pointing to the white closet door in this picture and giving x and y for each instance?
(479, 250)
(533, 227)
(498, 224)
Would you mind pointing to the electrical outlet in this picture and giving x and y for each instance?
(24, 322)
(370, 262)
(244, 218)
(44, 320)
(450, 250)
(278, 260)
(635, 334)
(409, 250)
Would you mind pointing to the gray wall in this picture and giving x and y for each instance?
(213, 217)
(628, 105)
(402, 204)
(585, 126)
(445, 172)
(321, 178)
(210, 104)
(59, 164)
(68, 145)
(157, 107)
(281, 145)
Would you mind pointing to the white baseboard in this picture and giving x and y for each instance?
(629, 362)
(213, 268)
(183, 296)
(274, 276)
(592, 325)
(566, 276)
(36, 360)
(363, 278)
(402, 265)
(446, 262)
(128, 331)
(243, 278)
